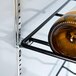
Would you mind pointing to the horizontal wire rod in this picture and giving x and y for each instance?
(69, 70)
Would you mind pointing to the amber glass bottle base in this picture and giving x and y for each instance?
(62, 35)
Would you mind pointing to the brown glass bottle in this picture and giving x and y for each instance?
(62, 35)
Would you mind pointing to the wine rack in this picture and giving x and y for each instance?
(27, 41)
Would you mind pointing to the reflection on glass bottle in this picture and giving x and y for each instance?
(62, 35)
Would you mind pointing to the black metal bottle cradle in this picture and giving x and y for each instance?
(29, 38)
(26, 42)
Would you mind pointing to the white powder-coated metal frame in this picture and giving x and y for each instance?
(18, 31)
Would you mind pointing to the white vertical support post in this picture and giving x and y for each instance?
(18, 34)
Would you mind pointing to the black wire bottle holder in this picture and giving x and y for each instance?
(26, 42)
